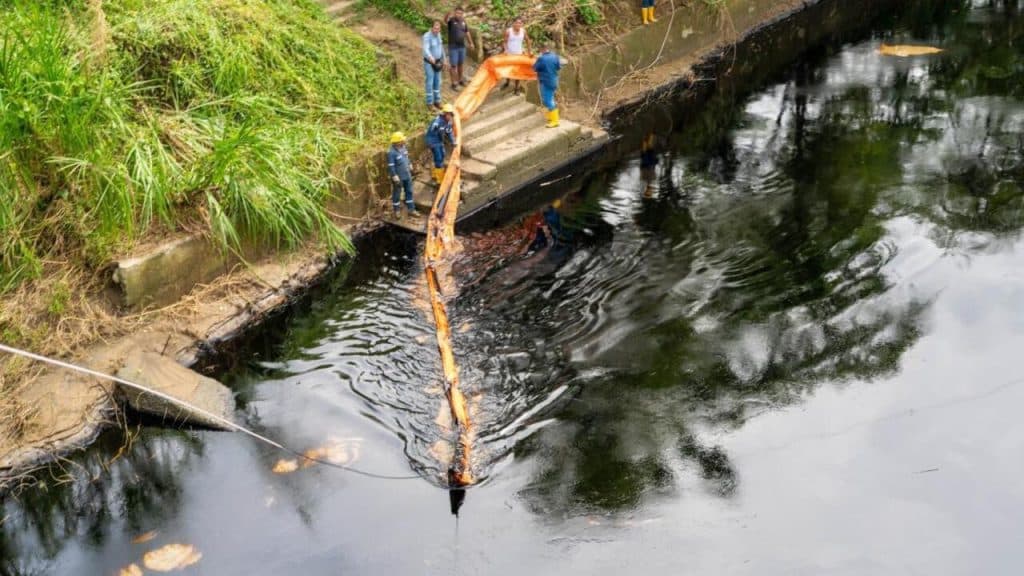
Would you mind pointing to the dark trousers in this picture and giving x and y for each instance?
(396, 193)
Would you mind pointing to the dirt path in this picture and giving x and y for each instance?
(405, 44)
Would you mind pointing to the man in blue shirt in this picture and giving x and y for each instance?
(440, 129)
(400, 171)
(547, 66)
(433, 64)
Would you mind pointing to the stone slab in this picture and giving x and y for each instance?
(163, 374)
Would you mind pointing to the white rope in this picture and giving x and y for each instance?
(163, 396)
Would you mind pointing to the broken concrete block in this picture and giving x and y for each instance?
(164, 375)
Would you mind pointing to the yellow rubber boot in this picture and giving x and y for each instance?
(438, 175)
(553, 119)
(650, 15)
(643, 12)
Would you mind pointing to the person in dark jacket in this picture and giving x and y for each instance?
(399, 169)
(547, 66)
(441, 128)
(458, 38)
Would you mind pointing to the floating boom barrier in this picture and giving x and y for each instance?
(441, 246)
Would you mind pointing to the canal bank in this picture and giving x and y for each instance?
(272, 283)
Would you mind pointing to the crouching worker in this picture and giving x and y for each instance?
(401, 175)
(440, 129)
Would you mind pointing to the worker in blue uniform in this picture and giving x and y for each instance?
(547, 66)
(441, 128)
(400, 171)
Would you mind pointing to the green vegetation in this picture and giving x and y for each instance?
(127, 117)
(412, 12)
(504, 9)
(589, 11)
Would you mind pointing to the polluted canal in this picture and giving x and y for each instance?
(785, 338)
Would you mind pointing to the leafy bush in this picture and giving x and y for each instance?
(588, 11)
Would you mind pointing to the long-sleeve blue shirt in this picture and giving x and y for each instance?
(547, 66)
(438, 131)
(398, 162)
(433, 47)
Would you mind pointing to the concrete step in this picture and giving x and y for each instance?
(592, 133)
(475, 170)
(498, 100)
(531, 148)
(513, 131)
(487, 121)
(423, 193)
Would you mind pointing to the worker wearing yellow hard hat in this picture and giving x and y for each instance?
(440, 129)
(400, 171)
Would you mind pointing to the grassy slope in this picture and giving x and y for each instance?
(121, 116)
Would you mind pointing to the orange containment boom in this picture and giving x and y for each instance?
(441, 246)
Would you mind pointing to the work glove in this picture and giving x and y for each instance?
(395, 179)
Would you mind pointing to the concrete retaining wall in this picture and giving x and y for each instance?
(680, 32)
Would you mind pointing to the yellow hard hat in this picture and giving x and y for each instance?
(397, 137)
(448, 108)
(557, 204)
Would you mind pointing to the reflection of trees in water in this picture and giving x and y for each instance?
(139, 488)
(802, 296)
(976, 88)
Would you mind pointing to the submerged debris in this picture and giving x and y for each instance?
(130, 570)
(905, 50)
(146, 537)
(171, 557)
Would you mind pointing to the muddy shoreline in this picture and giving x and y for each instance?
(730, 67)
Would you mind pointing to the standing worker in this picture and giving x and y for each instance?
(401, 175)
(433, 64)
(439, 130)
(516, 39)
(547, 66)
(458, 37)
(647, 10)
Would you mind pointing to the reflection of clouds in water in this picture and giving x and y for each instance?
(807, 269)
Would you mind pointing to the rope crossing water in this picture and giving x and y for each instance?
(220, 419)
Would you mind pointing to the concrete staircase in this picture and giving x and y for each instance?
(506, 144)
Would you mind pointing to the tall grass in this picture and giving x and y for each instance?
(121, 116)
